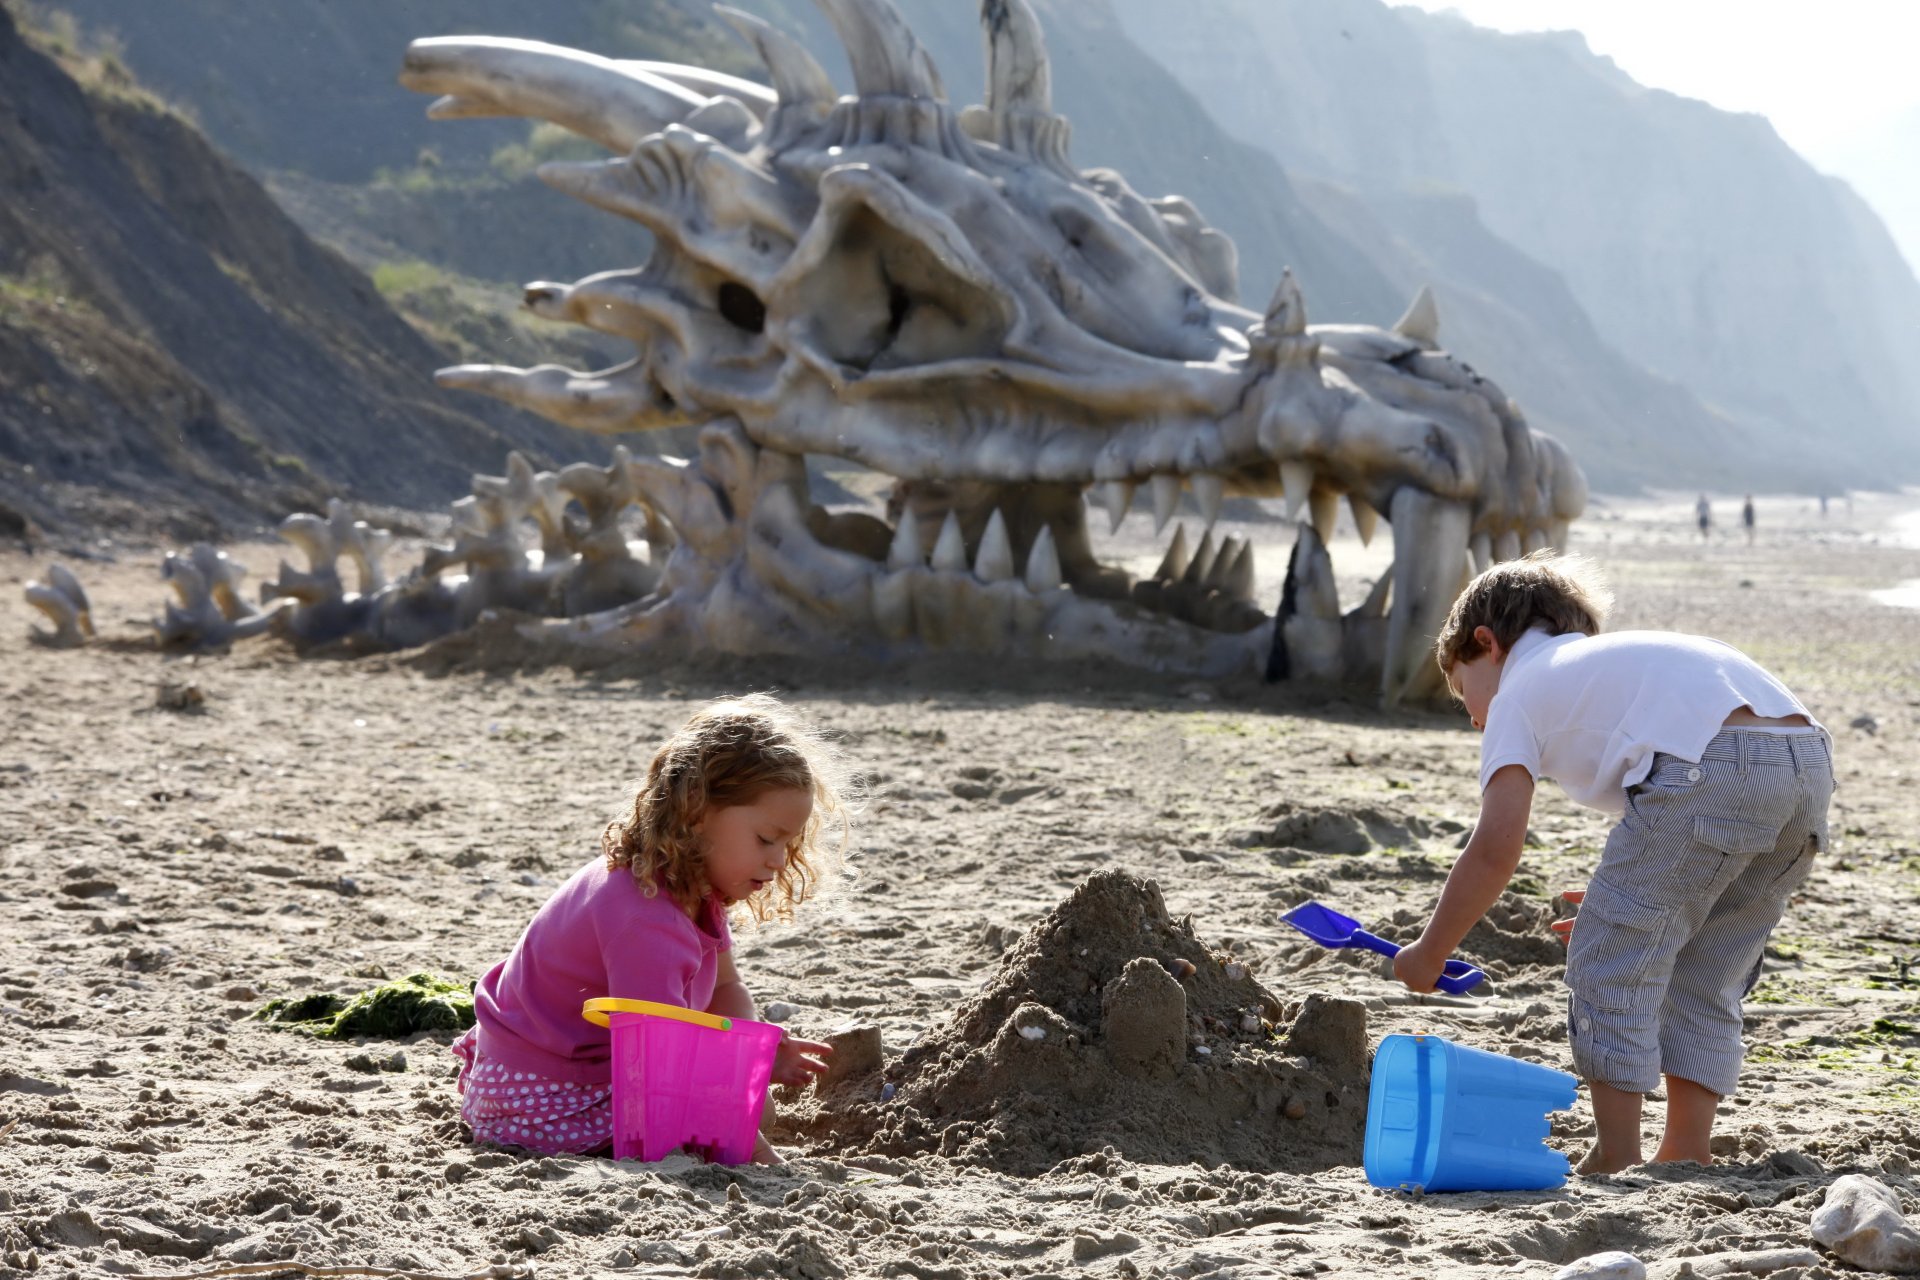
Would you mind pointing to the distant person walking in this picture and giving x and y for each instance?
(1703, 512)
(1746, 518)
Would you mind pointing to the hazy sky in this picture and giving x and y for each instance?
(1840, 80)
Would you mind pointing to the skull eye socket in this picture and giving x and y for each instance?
(740, 307)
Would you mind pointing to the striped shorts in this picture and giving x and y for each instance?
(1693, 880)
(508, 1108)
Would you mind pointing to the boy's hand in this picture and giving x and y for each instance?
(799, 1061)
(1419, 967)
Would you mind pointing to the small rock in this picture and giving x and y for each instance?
(1181, 968)
(177, 695)
(241, 993)
(1250, 1023)
(1033, 1033)
(1612, 1265)
(1865, 724)
(1862, 1223)
(779, 1010)
(1294, 1109)
(1234, 970)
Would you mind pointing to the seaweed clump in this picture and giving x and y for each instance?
(417, 1002)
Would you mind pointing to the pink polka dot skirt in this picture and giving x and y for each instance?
(509, 1108)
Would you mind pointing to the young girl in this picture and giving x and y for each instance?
(733, 814)
(1720, 779)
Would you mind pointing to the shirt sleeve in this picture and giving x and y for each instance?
(1508, 739)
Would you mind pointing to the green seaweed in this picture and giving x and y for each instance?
(417, 1002)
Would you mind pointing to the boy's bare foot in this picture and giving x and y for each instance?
(1598, 1162)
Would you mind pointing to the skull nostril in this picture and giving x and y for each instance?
(740, 307)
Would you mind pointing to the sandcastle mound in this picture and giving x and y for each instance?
(1108, 1024)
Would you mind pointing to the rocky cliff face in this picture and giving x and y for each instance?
(175, 352)
(1706, 253)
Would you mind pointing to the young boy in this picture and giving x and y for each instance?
(1720, 780)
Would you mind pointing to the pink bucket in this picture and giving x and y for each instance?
(682, 1078)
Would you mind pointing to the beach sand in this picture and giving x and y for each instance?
(324, 824)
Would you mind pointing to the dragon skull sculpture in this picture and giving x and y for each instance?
(939, 295)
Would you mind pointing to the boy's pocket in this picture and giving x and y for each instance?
(1608, 955)
(1699, 869)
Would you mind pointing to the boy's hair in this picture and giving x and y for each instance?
(1561, 593)
(730, 753)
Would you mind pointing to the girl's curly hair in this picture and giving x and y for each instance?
(1547, 589)
(731, 752)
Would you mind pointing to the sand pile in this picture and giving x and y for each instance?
(1111, 1025)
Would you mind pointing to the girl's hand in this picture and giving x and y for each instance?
(799, 1061)
(1418, 967)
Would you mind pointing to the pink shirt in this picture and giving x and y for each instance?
(598, 935)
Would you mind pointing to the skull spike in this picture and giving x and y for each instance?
(1222, 564)
(615, 400)
(594, 97)
(797, 78)
(1208, 491)
(756, 98)
(887, 60)
(1117, 497)
(950, 548)
(1482, 552)
(1238, 581)
(1287, 312)
(1175, 562)
(905, 553)
(1043, 563)
(1297, 479)
(1018, 75)
(1365, 518)
(1166, 497)
(1202, 563)
(1422, 320)
(1323, 505)
(994, 561)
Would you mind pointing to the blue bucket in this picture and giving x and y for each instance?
(1444, 1117)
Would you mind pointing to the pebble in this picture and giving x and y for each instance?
(780, 1010)
(1294, 1109)
(1612, 1265)
(1234, 970)
(1033, 1033)
(1861, 1221)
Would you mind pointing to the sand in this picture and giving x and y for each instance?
(1041, 857)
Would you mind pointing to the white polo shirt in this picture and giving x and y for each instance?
(1590, 712)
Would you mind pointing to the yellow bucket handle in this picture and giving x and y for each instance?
(597, 1011)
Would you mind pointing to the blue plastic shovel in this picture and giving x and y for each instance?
(1331, 929)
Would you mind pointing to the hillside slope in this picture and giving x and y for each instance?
(175, 351)
(1703, 249)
